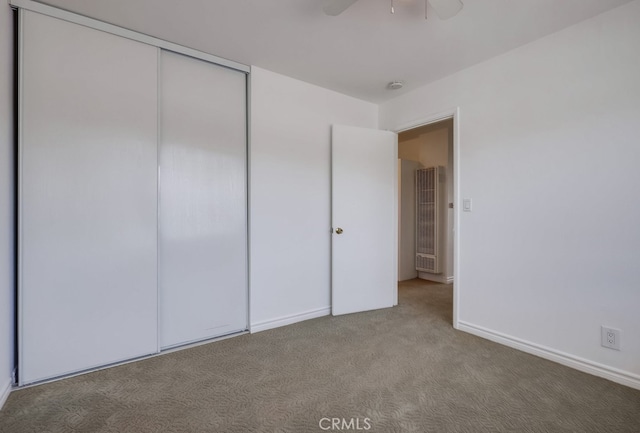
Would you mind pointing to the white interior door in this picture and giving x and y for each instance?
(364, 219)
(88, 198)
(203, 202)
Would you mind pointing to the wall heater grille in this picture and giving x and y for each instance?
(428, 198)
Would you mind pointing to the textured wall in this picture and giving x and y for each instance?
(290, 206)
(548, 153)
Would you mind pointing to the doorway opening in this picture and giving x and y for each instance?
(426, 198)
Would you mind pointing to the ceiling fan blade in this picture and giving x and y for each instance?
(446, 8)
(336, 7)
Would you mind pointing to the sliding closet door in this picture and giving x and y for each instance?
(88, 198)
(203, 226)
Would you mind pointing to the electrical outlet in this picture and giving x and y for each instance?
(610, 338)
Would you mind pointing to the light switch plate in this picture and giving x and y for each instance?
(466, 205)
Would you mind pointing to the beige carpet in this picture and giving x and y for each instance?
(403, 369)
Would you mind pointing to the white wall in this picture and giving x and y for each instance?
(7, 185)
(549, 152)
(290, 213)
(430, 147)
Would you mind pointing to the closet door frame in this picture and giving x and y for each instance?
(51, 11)
(125, 33)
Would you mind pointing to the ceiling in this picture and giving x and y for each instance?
(356, 53)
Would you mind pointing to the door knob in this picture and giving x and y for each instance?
(339, 230)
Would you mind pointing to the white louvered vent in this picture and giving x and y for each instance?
(425, 263)
(428, 197)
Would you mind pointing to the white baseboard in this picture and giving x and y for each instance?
(613, 374)
(288, 320)
(450, 280)
(5, 390)
(407, 278)
(438, 278)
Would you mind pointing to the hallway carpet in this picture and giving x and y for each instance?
(403, 369)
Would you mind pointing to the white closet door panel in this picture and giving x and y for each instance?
(88, 199)
(203, 244)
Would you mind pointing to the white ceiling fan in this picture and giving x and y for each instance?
(444, 8)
